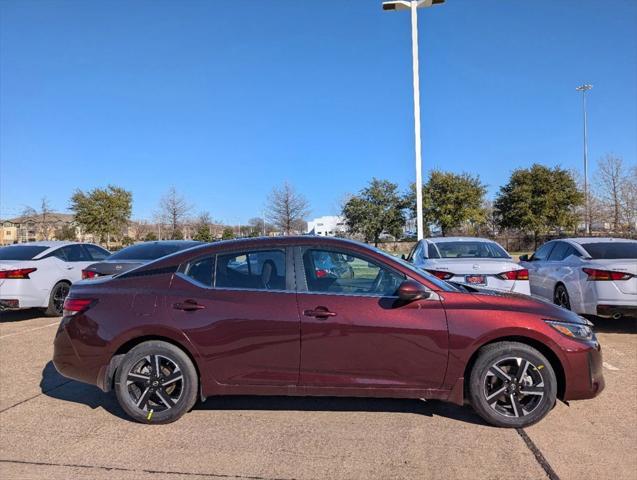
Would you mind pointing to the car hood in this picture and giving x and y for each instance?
(525, 303)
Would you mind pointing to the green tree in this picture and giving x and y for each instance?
(203, 228)
(377, 209)
(66, 232)
(539, 199)
(150, 237)
(450, 200)
(103, 212)
(228, 234)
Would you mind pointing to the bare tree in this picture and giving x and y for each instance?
(42, 218)
(629, 198)
(139, 229)
(286, 208)
(610, 179)
(173, 211)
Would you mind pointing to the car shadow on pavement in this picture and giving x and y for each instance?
(19, 315)
(608, 325)
(56, 386)
(429, 408)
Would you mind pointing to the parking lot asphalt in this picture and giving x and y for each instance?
(54, 428)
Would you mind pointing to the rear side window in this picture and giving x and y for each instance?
(97, 253)
(254, 270)
(21, 252)
(612, 250)
(201, 271)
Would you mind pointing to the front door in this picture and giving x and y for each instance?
(355, 332)
(239, 310)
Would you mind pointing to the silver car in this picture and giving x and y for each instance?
(473, 261)
(594, 276)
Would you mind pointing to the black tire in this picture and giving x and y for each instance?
(56, 299)
(150, 398)
(561, 298)
(522, 400)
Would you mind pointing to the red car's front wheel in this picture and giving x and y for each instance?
(512, 385)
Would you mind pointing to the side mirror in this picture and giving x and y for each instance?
(403, 257)
(524, 258)
(410, 291)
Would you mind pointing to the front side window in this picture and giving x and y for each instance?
(75, 253)
(559, 252)
(201, 271)
(254, 270)
(96, 252)
(343, 273)
(543, 252)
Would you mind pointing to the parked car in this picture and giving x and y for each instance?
(592, 276)
(39, 274)
(474, 261)
(197, 324)
(134, 256)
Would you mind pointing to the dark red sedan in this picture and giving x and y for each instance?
(319, 316)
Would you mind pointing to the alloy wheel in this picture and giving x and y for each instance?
(155, 383)
(514, 387)
(60, 294)
(561, 297)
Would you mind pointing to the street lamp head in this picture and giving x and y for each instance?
(406, 4)
(583, 88)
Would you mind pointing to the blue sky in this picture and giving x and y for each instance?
(224, 100)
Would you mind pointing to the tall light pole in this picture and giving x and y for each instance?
(587, 225)
(414, 5)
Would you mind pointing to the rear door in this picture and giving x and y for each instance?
(355, 332)
(77, 258)
(239, 310)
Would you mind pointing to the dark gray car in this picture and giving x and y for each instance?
(136, 255)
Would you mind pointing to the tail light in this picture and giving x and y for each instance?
(18, 273)
(73, 306)
(606, 275)
(86, 274)
(522, 274)
(440, 274)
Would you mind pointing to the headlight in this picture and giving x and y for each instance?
(573, 330)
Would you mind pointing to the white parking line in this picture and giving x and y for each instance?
(609, 366)
(27, 331)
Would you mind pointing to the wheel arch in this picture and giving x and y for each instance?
(544, 349)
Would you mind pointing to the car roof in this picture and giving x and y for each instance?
(458, 239)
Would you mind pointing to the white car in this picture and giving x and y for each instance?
(40, 274)
(474, 261)
(591, 276)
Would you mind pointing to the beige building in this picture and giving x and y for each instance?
(32, 228)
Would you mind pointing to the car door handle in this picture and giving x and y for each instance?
(188, 306)
(319, 312)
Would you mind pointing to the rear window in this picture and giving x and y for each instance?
(470, 250)
(21, 252)
(611, 250)
(150, 251)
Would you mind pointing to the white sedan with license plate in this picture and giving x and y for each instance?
(40, 274)
(591, 276)
(472, 261)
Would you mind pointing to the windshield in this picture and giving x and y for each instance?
(150, 251)
(611, 250)
(446, 286)
(21, 252)
(465, 249)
